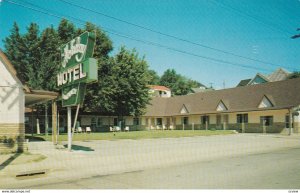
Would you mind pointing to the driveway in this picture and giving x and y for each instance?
(162, 163)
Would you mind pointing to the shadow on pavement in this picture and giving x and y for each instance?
(9, 160)
(80, 148)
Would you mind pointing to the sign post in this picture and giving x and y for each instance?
(77, 70)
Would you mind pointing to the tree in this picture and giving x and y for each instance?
(50, 57)
(15, 51)
(122, 86)
(66, 31)
(154, 78)
(179, 84)
(294, 75)
(297, 35)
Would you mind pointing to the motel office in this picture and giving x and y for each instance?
(260, 108)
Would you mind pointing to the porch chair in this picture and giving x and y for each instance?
(111, 129)
(127, 128)
(118, 128)
(79, 130)
(88, 129)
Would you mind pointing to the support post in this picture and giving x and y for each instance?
(290, 122)
(243, 127)
(206, 125)
(69, 129)
(193, 126)
(46, 119)
(264, 127)
(75, 119)
(54, 122)
(38, 127)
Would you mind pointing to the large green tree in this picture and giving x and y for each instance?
(178, 84)
(15, 50)
(122, 86)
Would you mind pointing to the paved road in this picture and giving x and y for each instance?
(272, 170)
(235, 161)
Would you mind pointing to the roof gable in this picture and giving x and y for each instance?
(258, 79)
(265, 102)
(184, 110)
(221, 106)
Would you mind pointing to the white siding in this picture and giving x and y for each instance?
(11, 98)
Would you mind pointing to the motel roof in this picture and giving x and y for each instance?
(281, 94)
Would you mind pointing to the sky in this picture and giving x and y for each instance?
(216, 42)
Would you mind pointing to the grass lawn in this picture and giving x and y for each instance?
(130, 135)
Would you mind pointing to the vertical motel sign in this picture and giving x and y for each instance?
(77, 69)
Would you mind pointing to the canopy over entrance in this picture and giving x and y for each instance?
(33, 97)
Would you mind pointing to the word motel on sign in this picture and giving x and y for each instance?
(71, 74)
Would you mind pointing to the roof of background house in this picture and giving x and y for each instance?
(158, 87)
(244, 82)
(283, 95)
(279, 74)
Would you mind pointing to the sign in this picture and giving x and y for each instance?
(77, 68)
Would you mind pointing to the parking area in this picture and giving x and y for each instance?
(97, 159)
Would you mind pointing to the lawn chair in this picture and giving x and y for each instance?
(164, 127)
(88, 130)
(118, 129)
(79, 130)
(127, 128)
(171, 127)
(112, 129)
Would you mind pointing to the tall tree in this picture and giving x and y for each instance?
(51, 58)
(33, 56)
(15, 51)
(123, 91)
(178, 84)
(66, 31)
(154, 78)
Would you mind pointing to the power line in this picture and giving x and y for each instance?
(256, 19)
(171, 36)
(145, 42)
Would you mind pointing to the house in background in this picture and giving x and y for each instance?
(159, 91)
(278, 75)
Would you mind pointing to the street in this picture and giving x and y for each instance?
(241, 161)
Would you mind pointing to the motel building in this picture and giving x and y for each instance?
(271, 107)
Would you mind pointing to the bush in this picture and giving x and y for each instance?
(10, 141)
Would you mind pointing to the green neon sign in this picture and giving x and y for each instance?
(77, 68)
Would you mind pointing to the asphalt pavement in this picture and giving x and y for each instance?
(230, 161)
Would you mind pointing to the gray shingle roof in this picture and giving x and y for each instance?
(284, 94)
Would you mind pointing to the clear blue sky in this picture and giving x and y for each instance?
(257, 29)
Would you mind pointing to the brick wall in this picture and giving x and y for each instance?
(15, 131)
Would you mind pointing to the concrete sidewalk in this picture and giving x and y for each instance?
(100, 158)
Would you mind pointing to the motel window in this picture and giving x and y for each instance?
(158, 121)
(242, 118)
(115, 121)
(93, 122)
(266, 120)
(185, 120)
(99, 121)
(204, 119)
(136, 121)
